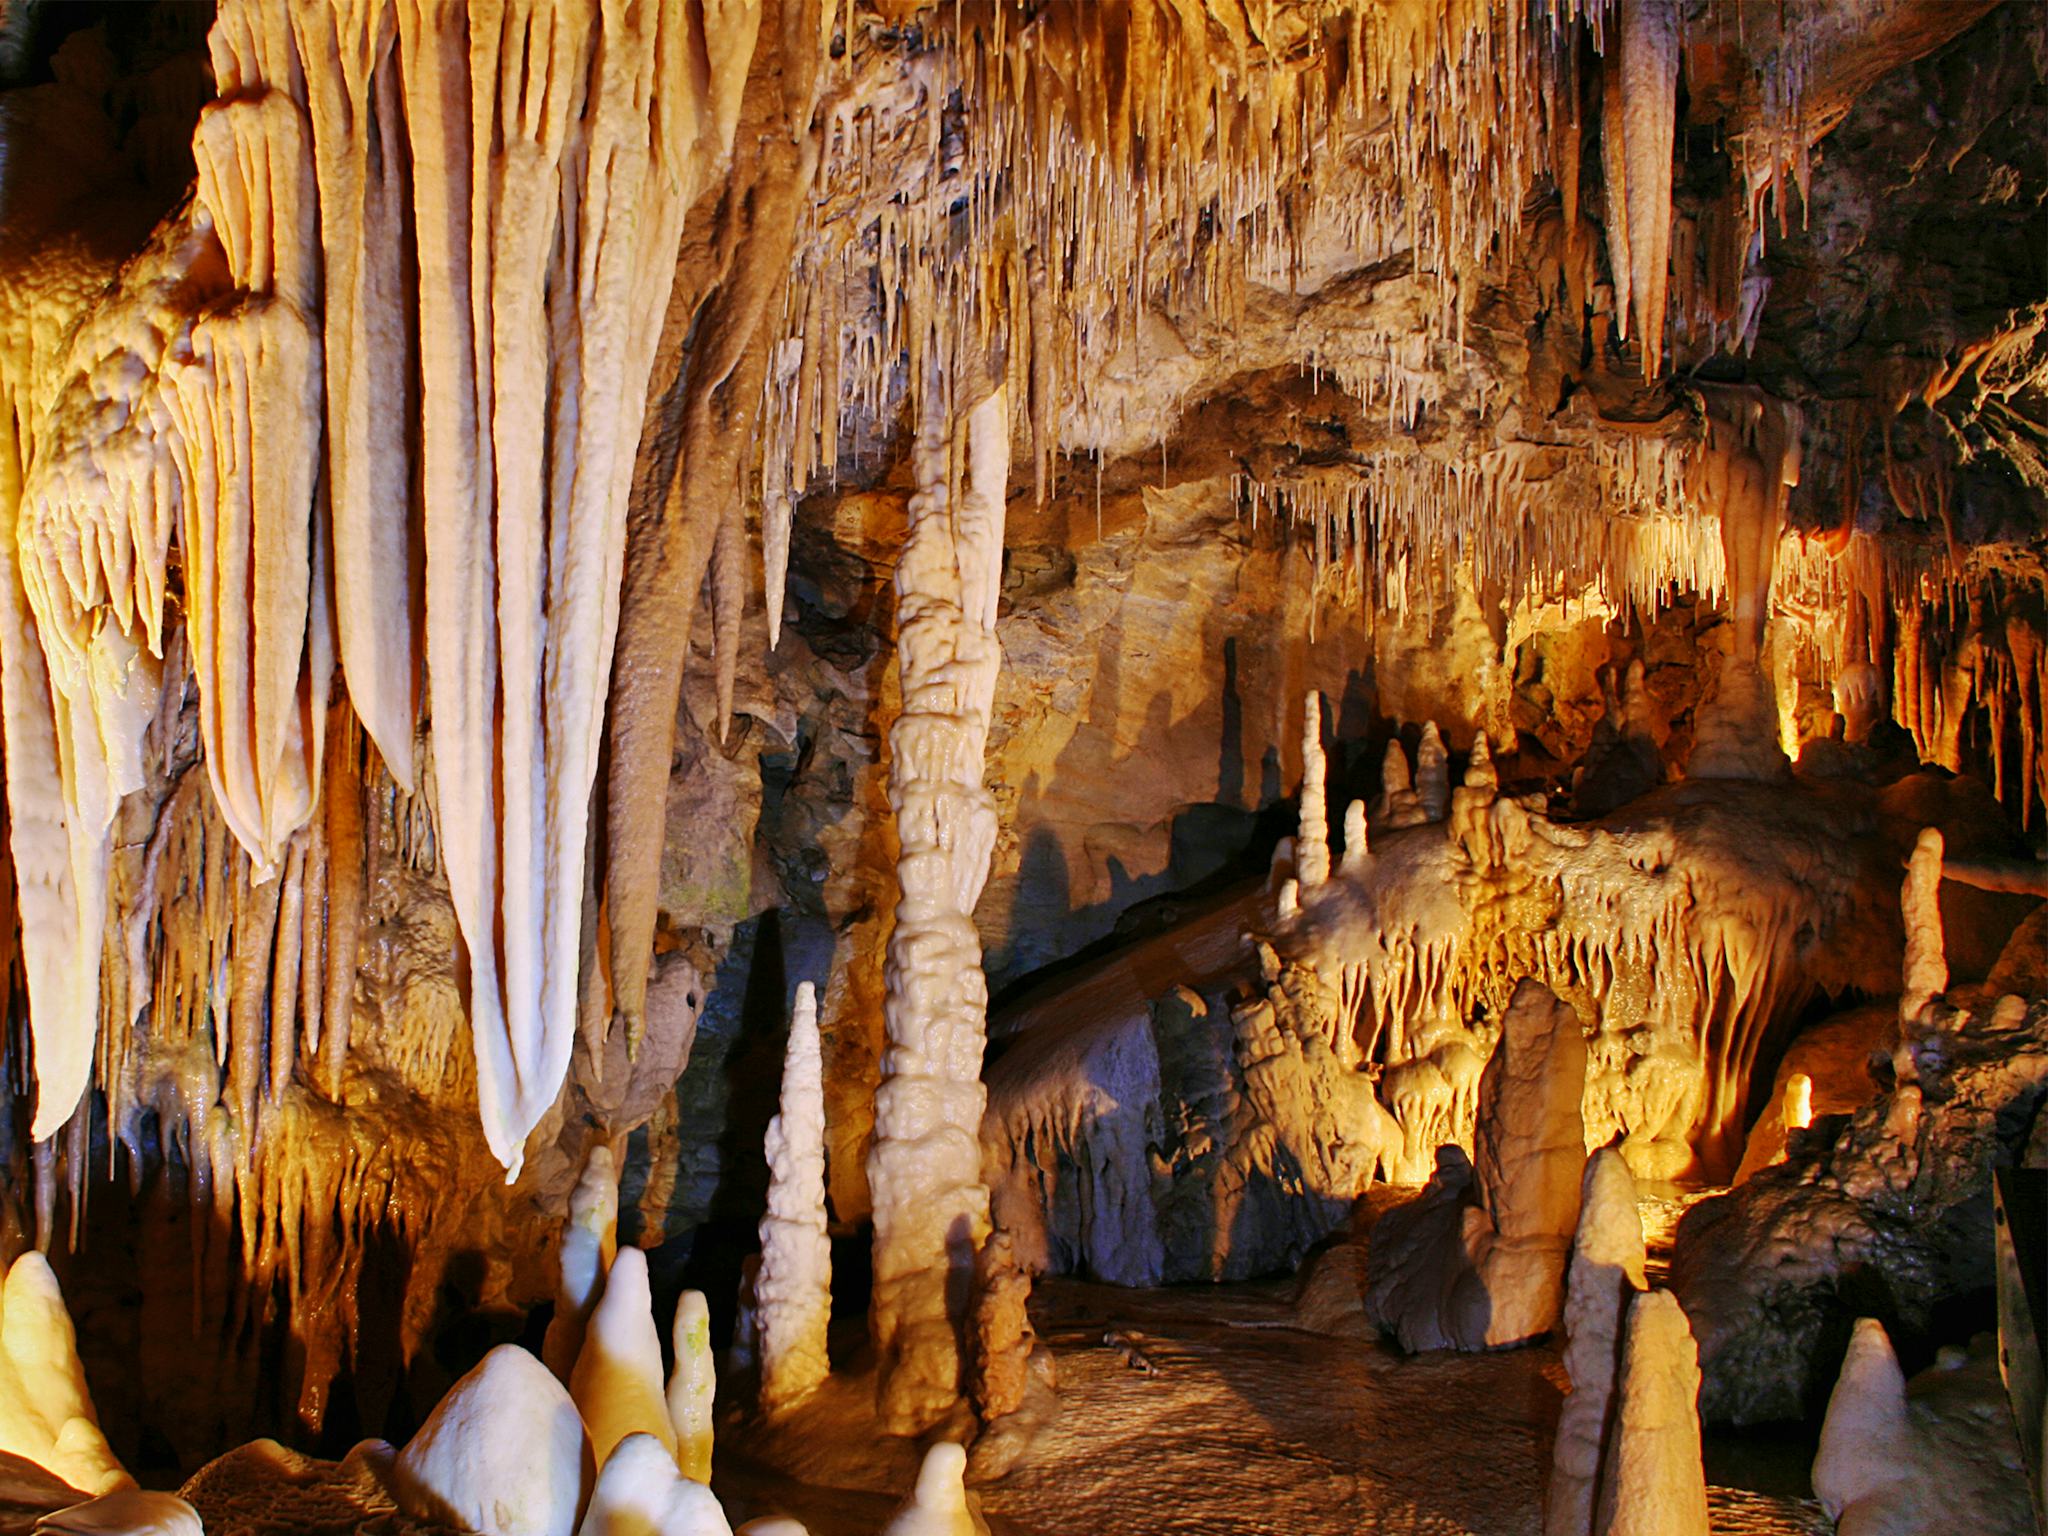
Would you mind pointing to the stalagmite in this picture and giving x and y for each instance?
(1653, 1482)
(1399, 804)
(793, 1290)
(639, 1492)
(1356, 849)
(1004, 1338)
(1650, 36)
(1478, 1260)
(1606, 1272)
(1865, 1450)
(931, 1208)
(1795, 1110)
(692, 1386)
(617, 1381)
(589, 1243)
(1432, 774)
(125, 1512)
(938, 1506)
(502, 1454)
(1312, 846)
(46, 1411)
(1926, 974)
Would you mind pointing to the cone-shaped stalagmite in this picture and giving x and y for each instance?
(1606, 1272)
(793, 1290)
(1653, 1482)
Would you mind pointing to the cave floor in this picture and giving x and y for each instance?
(1220, 1410)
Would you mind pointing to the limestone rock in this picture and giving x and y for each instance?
(503, 1454)
(1769, 1272)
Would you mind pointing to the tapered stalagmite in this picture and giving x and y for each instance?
(1432, 774)
(931, 1207)
(1606, 1272)
(692, 1385)
(617, 1381)
(1866, 1439)
(639, 1492)
(1312, 846)
(502, 1454)
(793, 1290)
(938, 1506)
(590, 1239)
(1653, 1482)
(1478, 1262)
(1926, 974)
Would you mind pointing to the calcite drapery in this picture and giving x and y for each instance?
(931, 1207)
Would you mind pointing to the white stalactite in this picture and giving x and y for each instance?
(350, 56)
(246, 397)
(931, 1207)
(548, 231)
(1650, 36)
(793, 1290)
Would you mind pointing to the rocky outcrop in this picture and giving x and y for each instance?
(1889, 1217)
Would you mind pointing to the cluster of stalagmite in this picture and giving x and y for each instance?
(931, 1207)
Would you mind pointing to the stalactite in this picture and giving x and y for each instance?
(1649, 115)
(353, 98)
(931, 1208)
(246, 399)
(675, 517)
